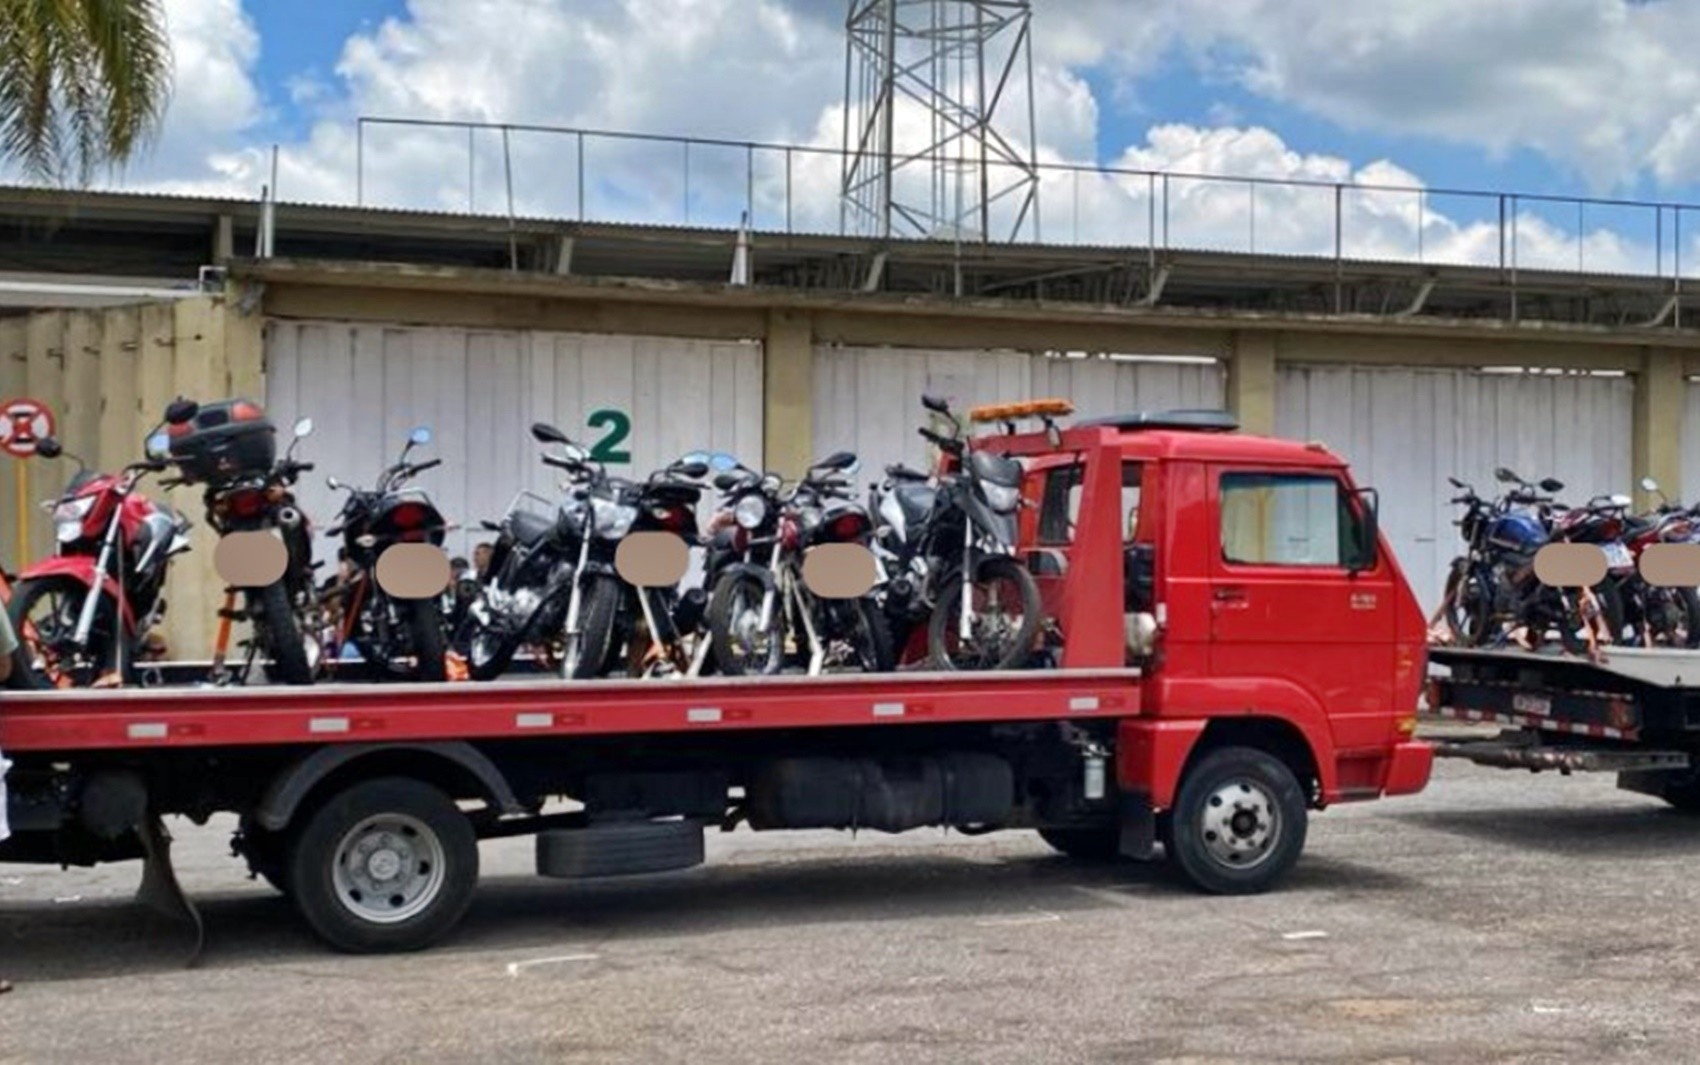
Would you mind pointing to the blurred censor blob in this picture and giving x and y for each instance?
(252, 559)
(413, 571)
(840, 571)
(1671, 565)
(1570, 565)
(652, 559)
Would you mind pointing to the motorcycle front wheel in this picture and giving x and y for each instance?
(740, 644)
(44, 617)
(1005, 615)
(586, 654)
(279, 634)
(1469, 607)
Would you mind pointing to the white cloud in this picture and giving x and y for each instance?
(771, 70)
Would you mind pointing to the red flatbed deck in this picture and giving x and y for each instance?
(143, 719)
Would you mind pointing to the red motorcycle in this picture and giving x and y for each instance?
(85, 616)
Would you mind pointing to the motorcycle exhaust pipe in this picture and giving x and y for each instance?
(289, 517)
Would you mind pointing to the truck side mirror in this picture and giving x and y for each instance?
(1364, 546)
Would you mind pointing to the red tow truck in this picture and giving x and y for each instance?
(1230, 645)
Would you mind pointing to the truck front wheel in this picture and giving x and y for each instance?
(1238, 823)
(387, 865)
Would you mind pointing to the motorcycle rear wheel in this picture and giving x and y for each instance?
(280, 634)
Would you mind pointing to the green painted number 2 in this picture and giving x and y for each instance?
(607, 450)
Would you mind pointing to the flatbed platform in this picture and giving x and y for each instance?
(49, 722)
(1652, 666)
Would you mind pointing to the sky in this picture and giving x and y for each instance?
(1562, 97)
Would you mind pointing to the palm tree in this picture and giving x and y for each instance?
(83, 83)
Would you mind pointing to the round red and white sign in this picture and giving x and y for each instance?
(23, 424)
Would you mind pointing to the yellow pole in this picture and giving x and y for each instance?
(23, 547)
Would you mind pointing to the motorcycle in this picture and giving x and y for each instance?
(972, 578)
(86, 616)
(758, 608)
(552, 581)
(903, 502)
(404, 637)
(229, 448)
(1660, 615)
(1492, 591)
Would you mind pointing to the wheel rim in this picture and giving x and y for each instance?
(389, 868)
(48, 638)
(1240, 824)
(752, 642)
(992, 625)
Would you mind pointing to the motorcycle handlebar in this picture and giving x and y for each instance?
(561, 464)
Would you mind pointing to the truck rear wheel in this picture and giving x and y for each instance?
(1238, 823)
(387, 865)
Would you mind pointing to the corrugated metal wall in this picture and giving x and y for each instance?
(1690, 486)
(1406, 430)
(366, 386)
(868, 400)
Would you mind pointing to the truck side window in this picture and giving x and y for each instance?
(1059, 507)
(1287, 519)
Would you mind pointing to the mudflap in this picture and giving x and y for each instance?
(1139, 827)
(160, 891)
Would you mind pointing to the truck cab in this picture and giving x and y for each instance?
(1254, 591)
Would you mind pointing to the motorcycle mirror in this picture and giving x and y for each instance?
(1456, 483)
(1649, 485)
(303, 428)
(158, 446)
(547, 434)
(182, 411)
(1552, 484)
(1505, 476)
(936, 404)
(692, 469)
(838, 460)
(48, 448)
(726, 481)
(420, 436)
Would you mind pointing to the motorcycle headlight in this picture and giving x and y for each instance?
(750, 512)
(68, 518)
(1001, 498)
(613, 520)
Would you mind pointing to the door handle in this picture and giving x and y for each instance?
(1224, 594)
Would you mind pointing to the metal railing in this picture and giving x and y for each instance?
(618, 176)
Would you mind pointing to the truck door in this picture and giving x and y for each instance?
(1299, 594)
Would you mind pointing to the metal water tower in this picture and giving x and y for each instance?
(939, 125)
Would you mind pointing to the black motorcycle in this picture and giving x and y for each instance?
(956, 566)
(401, 638)
(762, 613)
(230, 448)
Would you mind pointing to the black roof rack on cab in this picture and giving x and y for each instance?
(1197, 421)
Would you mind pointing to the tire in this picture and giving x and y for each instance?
(418, 846)
(1248, 850)
(619, 849)
(281, 636)
(489, 653)
(597, 613)
(1610, 605)
(1675, 620)
(734, 595)
(1085, 844)
(941, 625)
(425, 637)
(1469, 608)
(26, 596)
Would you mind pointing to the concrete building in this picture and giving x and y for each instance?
(635, 340)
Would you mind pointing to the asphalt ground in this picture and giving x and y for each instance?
(1498, 917)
